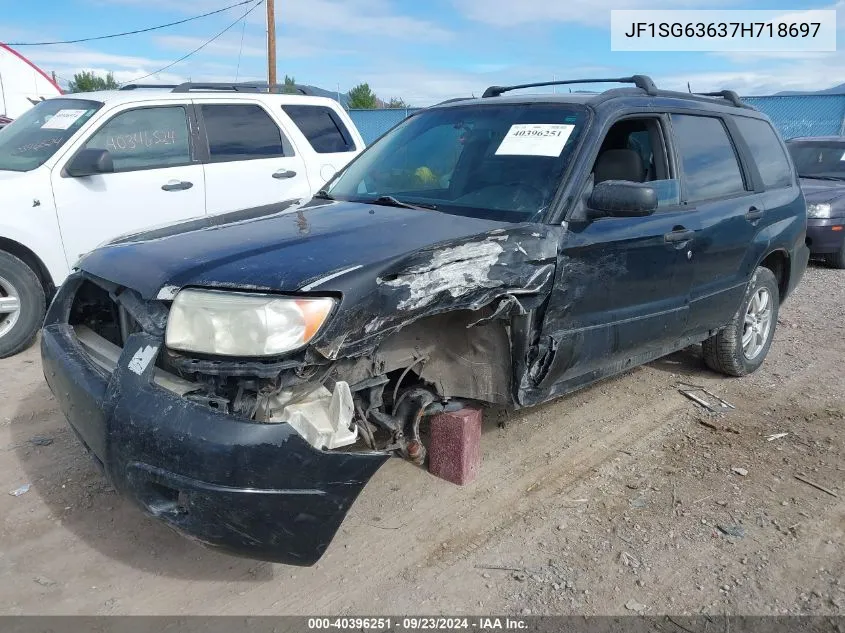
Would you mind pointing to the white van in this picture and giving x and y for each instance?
(78, 170)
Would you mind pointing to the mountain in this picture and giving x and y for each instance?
(836, 90)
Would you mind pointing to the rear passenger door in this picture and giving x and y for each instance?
(327, 135)
(249, 161)
(719, 193)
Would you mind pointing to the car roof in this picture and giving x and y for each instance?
(633, 96)
(139, 95)
(646, 93)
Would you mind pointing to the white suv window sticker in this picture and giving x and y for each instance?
(535, 139)
(63, 119)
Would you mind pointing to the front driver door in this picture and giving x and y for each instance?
(156, 179)
(621, 290)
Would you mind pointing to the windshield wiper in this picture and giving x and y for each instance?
(390, 201)
(821, 177)
(324, 195)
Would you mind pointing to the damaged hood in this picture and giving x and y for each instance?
(287, 248)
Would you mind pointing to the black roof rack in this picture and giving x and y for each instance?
(730, 95)
(640, 81)
(139, 86)
(189, 86)
(221, 87)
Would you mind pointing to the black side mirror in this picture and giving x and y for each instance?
(622, 199)
(89, 162)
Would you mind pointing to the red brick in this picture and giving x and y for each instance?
(454, 453)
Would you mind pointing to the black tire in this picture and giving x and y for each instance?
(836, 260)
(32, 305)
(724, 352)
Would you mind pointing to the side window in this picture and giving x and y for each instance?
(146, 138)
(633, 150)
(711, 168)
(767, 151)
(242, 132)
(324, 130)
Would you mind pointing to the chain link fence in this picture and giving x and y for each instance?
(803, 115)
(373, 123)
(793, 115)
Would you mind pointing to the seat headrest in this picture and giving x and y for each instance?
(619, 164)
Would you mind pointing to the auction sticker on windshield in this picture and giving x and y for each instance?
(63, 119)
(535, 139)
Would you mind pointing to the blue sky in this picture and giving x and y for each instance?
(422, 51)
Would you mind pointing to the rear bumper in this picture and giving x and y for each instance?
(255, 490)
(824, 237)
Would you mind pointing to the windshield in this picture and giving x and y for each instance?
(815, 159)
(501, 162)
(31, 139)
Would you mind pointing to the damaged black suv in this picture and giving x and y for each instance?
(242, 377)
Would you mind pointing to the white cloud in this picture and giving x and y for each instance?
(806, 75)
(588, 12)
(356, 17)
(185, 44)
(83, 57)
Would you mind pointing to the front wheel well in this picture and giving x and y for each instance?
(30, 259)
(778, 263)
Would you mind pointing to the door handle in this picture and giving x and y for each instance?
(753, 214)
(177, 185)
(679, 235)
(283, 174)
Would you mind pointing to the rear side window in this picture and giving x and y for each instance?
(146, 138)
(322, 127)
(767, 151)
(242, 132)
(711, 168)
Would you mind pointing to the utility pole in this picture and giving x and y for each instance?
(271, 45)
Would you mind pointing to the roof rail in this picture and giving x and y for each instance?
(453, 100)
(222, 87)
(140, 86)
(643, 82)
(303, 90)
(729, 95)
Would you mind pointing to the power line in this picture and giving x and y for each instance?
(198, 49)
(240, 51)
(113, 35)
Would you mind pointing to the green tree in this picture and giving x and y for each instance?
(87, 81)
(290, 85)
(361, 97)
(398, 103)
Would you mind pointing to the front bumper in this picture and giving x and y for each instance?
(255, 490)
(824, 237)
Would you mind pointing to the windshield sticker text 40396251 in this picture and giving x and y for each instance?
(535, 139)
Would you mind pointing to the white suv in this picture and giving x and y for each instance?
(78, 170)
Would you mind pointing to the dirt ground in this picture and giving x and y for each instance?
(613, 500)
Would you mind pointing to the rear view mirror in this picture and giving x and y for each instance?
(622, 199)
(89, 162)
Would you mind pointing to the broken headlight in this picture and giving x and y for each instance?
(243, 324)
